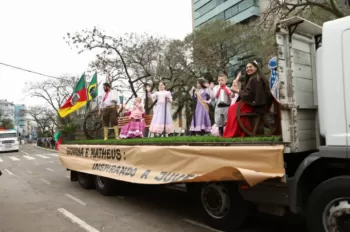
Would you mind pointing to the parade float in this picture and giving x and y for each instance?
(300, 164)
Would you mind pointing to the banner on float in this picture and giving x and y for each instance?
(176, 164)
(274, 78)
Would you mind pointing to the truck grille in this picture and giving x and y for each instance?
(8, 141)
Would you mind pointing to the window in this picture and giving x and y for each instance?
(228, 13)
(245, 4)
(206, 8)
(232, 11)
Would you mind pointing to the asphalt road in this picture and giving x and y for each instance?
(37, 195)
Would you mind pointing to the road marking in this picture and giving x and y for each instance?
(45, 181)
(1, 160)
(42, 156)
(68, 177)
(75, 199)
(29, 172)
(24, 152)
(52, 162)
(49, 169)
(13, 158)
(52, 154)
(28, 157)
(77, 220)
(201, 225)
(10, 173)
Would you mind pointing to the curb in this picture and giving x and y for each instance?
(46, 149)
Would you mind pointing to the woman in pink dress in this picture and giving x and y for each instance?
(135, 128)
(161, 114)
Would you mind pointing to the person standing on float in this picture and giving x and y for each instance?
(223, 95)
(201, 120)
(161, 115)
(108, 109)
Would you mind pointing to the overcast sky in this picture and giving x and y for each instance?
(32, 31)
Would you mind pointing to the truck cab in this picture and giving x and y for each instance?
(9, 140)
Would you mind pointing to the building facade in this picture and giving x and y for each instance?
(236, 11)
(20, 119)
(7, 110)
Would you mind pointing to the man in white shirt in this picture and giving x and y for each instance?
(108, 108)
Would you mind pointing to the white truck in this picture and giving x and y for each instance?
(314, 97)
(9, 140)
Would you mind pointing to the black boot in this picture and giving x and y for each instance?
(221, 131)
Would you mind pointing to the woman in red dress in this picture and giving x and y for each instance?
(255, 96)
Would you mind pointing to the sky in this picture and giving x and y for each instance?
(31, 34)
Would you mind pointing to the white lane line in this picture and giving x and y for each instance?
(49, 169)
(29, 172)
(24, 152)
(75, 199)
(77, 220)
(201, 225)
(42, 156)
(28, 157)
(10, 173)
(68, 177)
(13, 158)
(52, 154)
(52, 162)
(45, 181)
(1, 160)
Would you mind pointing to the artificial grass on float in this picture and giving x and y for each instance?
(179, 140)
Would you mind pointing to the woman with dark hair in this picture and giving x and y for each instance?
(201, 120)
(255, 96)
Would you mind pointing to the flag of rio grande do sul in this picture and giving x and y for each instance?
(77, 100)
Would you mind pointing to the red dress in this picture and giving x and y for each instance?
(232, 128)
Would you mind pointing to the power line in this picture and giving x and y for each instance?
(26, 70)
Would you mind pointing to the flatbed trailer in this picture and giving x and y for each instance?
(307, 172)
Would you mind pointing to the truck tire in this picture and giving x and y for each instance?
(222, 206)
(328, 207)
(86, 181)
(104, 185)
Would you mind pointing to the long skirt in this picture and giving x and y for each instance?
(200, 120)
(232, 128)
(133, 129)
(161, 116)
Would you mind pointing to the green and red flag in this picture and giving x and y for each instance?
(58, 139)
(92, 89)
(77, 100)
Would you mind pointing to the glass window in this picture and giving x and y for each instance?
(206, 8)
(228, 13)
(245, 4)
(234, 10)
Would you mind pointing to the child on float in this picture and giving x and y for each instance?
(136, 127)
(161, 113)
(201, 120)
(222, 94)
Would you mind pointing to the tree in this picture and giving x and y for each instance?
(217, 44)
(134, 60)
(130, 60)
(44, 117)
(54, 92)
(317, 11)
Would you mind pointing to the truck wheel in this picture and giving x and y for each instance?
(328, 207)
(104, 185)
(86, 181)
(223, 206)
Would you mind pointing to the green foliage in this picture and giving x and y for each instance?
(181, 140)
(69, 128)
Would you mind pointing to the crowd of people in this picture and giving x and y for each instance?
(252, 91)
